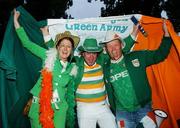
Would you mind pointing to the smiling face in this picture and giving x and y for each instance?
(114, 49)
(64, 48)
(90, 57)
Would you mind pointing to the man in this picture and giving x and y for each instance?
(126, 74)
(92, 107)
(90, 89)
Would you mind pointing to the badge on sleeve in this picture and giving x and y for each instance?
(135, 63)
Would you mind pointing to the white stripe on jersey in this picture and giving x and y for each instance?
(90, 91)
(92, 78)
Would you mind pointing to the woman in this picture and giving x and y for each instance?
(53, 92)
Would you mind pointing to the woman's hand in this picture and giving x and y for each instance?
(16, 17)
(45, 31)
(46, 35)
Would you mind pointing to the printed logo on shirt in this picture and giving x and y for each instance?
(135, 63)
(118, 76)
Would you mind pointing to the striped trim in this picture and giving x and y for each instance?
(93, 74)
(90, 86)
(90, 95)
(90, 91)
(91, 70)
(91, 82)
(92, 99)
(92, 78)
(91, 67)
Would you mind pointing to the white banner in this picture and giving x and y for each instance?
(94, 27)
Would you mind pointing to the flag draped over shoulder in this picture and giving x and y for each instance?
(163, 77)
(19, 70)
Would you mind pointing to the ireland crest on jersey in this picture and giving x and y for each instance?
(135, 63)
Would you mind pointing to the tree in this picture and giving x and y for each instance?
(39, 9)
(48, 9)
(145, 7)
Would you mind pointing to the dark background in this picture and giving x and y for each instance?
(41, 9)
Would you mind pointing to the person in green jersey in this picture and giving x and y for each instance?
(126, 74)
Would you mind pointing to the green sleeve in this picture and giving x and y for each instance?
(28, 44)
(156, 56)
(128, 43)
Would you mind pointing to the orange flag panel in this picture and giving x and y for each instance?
(164, 77)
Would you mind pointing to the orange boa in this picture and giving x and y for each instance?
(45, 96)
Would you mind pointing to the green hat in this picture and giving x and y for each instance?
(90, 45)
(60, 36)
